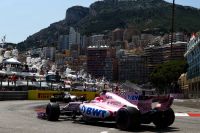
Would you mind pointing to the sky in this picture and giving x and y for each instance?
(22, 18)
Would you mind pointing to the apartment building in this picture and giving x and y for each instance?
(101, 61)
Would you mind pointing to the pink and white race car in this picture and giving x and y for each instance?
(127, 109)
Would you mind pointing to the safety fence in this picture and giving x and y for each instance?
(177, 95)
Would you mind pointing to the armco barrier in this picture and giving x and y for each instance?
(13, 95)
(45, 95)
(177, 95)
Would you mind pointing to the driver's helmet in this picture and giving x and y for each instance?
(103, 95)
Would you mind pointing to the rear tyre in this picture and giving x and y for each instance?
(128, 118)
(164, 119)
(53, 111)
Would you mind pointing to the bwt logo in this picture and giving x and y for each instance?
(133, 97)
(93, 112)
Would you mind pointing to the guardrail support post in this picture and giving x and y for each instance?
(40, 84)
(1, 84)
(27, 83)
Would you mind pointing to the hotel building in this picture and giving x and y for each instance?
(193, 74)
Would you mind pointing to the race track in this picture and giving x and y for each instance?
(20, 117)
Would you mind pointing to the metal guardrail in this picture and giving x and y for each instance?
(13, 95)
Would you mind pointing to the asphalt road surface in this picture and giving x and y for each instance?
(20, 117)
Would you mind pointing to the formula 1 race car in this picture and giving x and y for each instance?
(66, 97)
(127, 109)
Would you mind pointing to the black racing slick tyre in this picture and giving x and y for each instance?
(128, 118)
(53, 111)
(163, 119)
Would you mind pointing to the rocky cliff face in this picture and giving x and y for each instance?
(75, 14)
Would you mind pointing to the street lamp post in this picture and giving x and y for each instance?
(3, 41)
(172, 30)
(172, 27)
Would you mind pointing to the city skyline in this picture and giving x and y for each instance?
(22, 18)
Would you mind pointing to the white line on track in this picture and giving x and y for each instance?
(104, 132)
(112, 128)
(181, 114)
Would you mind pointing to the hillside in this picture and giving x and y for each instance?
(106, 15)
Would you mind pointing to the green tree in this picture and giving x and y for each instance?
(167, 74)
(198, 33)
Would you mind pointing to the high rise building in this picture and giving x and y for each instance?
(74, 37)
(177, 37)
(97, 40)
(117, 35)
(84, 44)
(49, 53)
(63, 43)
(177, 53)
(159, 54)
(101, 61)
(60, 59)
(129, 32)
(133, 68)
(74, 42)
(154, 57)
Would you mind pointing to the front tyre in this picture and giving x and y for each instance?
(53, 111)
(164, 119)
(127, 118)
